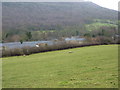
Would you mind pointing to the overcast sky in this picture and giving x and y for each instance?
(111, 4)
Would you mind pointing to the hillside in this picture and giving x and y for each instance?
(44, 16)
(55, 19)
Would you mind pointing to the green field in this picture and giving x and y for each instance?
(96, 26)
(86, 67)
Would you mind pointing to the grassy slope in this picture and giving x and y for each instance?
(91, 67)
(96, 26)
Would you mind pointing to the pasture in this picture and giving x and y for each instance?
(86, 67)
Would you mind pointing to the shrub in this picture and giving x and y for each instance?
(101, 40)
(57, 46)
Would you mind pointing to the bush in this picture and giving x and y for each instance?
(57, 46)
(102, 40)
